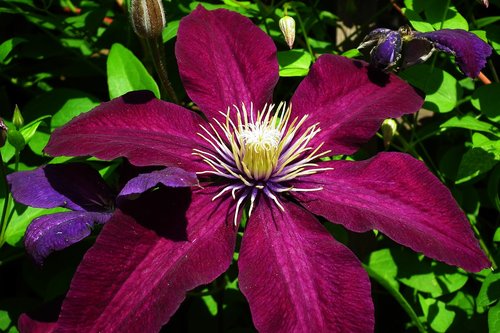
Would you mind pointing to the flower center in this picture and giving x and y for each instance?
(260, 152)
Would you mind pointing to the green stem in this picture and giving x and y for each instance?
(484, 247)
(445, 14)
(158, 55)
(6, 203)
(398, 297)
(304, 34)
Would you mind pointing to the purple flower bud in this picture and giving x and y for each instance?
(148, 18)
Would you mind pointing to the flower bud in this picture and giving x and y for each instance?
(148, 18)
(17, 119)
(3, 133)
(287, 26)
(389, 128)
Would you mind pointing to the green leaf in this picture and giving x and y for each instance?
(494, 318)
(471, 123)
(493, 34)
(489, 292)
(20, 220)
(437, 10)
(294, 62)
(463, 301)
(382, 263)
(211, 304)
(352, 53)
(439, 317)
(496, 235)
(29, 130)
(38, 142)
(62, 103)
(170, 30)
(417, 22)
(126, 73)
(493, 189)
(5, 320)
(7, 47)
(475, 162)
(441, 89)
(485, 99)
(427, 276)
(484, 21)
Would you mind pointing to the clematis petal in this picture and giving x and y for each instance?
(172, 177)
(297, 278)
(54, 232)
(144, 261)
(396, 194)
(75, 186)
(349, 102)
(27, 325)
(138, 126)
(225, 60)
(470, 51)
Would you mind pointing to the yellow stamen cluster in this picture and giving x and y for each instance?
(260, 151)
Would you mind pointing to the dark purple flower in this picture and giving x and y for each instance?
(402, 48)
(81, 189)
(296, 277)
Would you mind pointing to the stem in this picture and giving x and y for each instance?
(445, 13)
(484, 79)
(304, 34)
(396, 6)
(493, 71)
(484, 247)
(398, 297)
(6, 203)
(158, 55)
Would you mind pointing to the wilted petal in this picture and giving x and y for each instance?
(349, 102)
(396, 194)
(470, 51)
(297, 278)
(54, 232)
(138, 126)
(416, 51)
(225, 59)
(171, 177)
(138, 272)
(75, 186)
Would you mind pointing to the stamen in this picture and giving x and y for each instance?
(260, 152)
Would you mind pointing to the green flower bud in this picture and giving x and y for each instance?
(148, 18)
(3, 133)
(18, 119)
(16, 139)
(389, 129)
(287, 27)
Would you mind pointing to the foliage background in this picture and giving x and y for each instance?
(60, 58)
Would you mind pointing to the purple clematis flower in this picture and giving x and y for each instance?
(267, 158)
(404, 47)
(81, 189)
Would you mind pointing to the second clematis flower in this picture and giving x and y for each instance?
(269, 159)
(404, 47)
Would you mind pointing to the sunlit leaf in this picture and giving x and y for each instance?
(126, 73)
